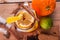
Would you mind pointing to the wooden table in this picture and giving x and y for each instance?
(7, 9)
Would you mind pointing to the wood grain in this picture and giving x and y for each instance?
(1, 1)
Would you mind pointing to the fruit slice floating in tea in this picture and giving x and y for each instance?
(27, 22)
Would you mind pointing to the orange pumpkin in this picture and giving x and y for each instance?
(44, 7)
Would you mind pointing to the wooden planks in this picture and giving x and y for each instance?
(2, 1)
(16, 0)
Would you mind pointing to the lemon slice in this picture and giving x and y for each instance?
(31, 29)
(25, 23)
(12, 19)
(26, 20)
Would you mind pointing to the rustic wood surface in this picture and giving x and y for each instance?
(7, 9)
(1, 1)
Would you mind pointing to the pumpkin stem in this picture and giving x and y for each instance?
(48, 8)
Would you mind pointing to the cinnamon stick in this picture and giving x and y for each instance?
(29, 10)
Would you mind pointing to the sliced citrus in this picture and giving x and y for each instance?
(25, 24)
(26, 20)
(31, 29)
